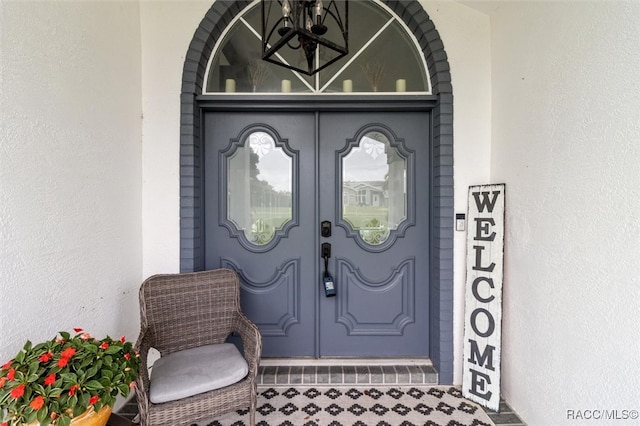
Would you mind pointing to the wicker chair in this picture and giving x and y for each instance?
(185, 311)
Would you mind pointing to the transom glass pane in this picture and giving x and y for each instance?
(259, 187)
(382, 58)
(374, 188)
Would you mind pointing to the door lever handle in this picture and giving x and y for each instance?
(327, 280)
(326, 251)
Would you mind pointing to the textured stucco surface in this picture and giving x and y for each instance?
(546, 99)
(566, 141)
(70, 170)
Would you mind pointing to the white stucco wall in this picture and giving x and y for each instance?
(466, 35)
(167, 29)
(566, 141)
(70, 170)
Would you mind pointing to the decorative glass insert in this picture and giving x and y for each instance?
(259, 188)
(374, 188)
(383, 57)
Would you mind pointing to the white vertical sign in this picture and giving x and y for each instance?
(483, 295)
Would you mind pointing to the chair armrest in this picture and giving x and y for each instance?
(251, 341)
(143, 345)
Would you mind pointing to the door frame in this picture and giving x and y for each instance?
(441, 153)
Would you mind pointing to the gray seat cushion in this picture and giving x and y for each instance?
(197, 370)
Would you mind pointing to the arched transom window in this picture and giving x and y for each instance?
(384, 57)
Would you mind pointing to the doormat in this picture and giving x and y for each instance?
(360, 406)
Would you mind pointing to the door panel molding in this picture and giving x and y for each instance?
(279, 292)
(397, 293)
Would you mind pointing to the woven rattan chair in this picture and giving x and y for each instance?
(180, 312)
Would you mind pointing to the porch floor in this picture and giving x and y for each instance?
(340, 373)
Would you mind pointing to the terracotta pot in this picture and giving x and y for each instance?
(89, 418)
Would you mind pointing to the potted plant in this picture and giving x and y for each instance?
(66, 379)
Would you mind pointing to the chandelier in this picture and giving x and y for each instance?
(291, 27)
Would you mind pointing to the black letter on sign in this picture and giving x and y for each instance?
(490, 328)
(477, 266)
(480, 380)
(482, 229)
(485, 200)
(474, 289)
(484, 359)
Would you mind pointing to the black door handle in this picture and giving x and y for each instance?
(326, 251)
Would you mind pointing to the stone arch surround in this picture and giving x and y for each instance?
(411, 12)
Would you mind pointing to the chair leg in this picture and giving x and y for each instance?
(253, 406)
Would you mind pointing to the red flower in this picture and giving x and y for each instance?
(6, 366)
(50, 379)
(122, 339)
(62, 362)
(93, 399)
(68, 353)
(45, 357)
(53, 415)
(85, 336)
(104, 345)
(132, 385)
(37, 402)
(77, 330)
(4, 424)
(127, 356)
(11, 374)
(17, 392)
(73, 389)
(3, 380)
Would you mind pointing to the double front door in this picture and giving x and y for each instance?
(306, 204)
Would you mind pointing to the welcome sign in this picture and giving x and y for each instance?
(483, 295)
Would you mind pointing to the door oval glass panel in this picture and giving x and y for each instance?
(259, 188)
(374, 188)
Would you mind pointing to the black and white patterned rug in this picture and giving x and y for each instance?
(360, 406)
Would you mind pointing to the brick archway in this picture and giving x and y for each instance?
(441, 215)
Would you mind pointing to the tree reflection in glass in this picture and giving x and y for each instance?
(259, 187)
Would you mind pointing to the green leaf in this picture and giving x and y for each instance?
(93, 385)
(108, 360)
(64, 420)
(64, 335)
(69, 377)
(33, 367)
(113, 349)
(73, 400)
(55, 392)
(42, 414)
(31, 417)
(38, 388)
(124, 389)
(108, 374)
(92, 372)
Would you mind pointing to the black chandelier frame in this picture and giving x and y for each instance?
(309, 27)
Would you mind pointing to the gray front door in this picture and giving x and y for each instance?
(272, 178)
